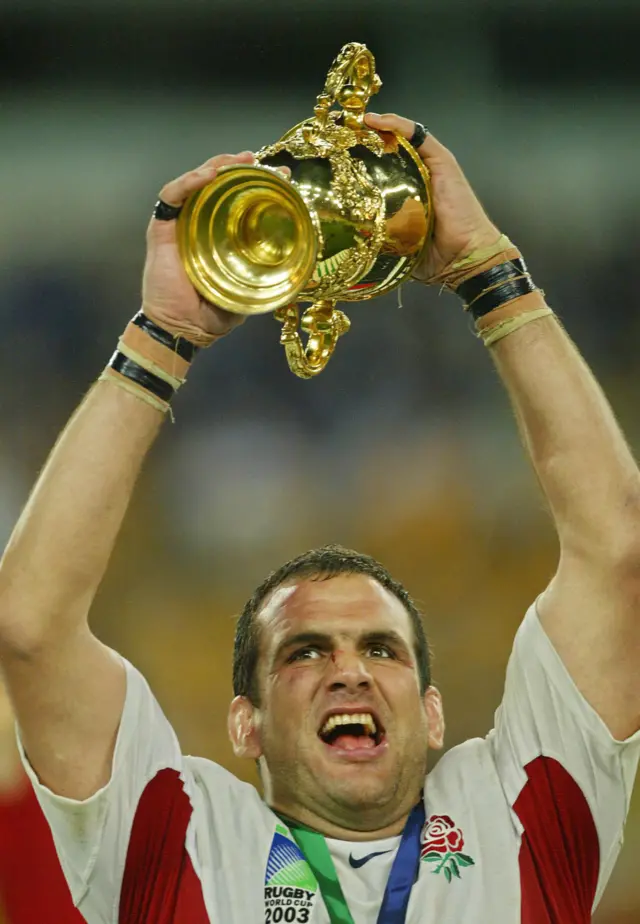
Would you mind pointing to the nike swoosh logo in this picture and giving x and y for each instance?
(358, 863)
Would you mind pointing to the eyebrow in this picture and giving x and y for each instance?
(322, 640)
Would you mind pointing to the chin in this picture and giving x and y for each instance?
(358, 787)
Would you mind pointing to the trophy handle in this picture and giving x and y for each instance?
(351, 82)
(324, 323)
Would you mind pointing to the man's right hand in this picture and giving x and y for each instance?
(168, 297)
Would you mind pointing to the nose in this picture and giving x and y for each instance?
(348, 671)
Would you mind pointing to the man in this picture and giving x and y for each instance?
(32, 887)
(331, 672)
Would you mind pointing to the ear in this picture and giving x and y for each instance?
(435, 717)
(243, 726)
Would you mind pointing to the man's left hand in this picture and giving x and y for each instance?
(461, 224)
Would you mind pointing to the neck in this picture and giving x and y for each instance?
(341, 830)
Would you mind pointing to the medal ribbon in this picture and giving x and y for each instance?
(404, 871)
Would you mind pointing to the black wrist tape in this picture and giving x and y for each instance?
(141, 376)
(472, 288)
(496, 298)
(179, 345)
(495, 287)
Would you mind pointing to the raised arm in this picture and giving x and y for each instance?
(67, 688)
(591, 610)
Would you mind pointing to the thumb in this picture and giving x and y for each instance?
(176, 192)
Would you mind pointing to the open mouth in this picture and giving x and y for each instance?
(352, 731)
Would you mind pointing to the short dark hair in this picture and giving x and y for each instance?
(323, 563)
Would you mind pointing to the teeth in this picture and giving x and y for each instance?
(359, 718)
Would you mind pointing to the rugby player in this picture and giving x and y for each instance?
(333, 691)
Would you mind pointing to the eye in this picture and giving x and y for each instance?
(308, 653)
(378, 650)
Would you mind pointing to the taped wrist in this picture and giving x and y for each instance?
(478, 261)
(150, 362)
(497, 290)
(184, 348)
(495, 287)
(182, 332)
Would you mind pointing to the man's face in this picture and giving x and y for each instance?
(342, 729)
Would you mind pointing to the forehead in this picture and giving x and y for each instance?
(345, 605)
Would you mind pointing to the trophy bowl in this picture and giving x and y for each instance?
(351, 222)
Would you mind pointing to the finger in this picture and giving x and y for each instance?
(284, 171)
(390, 122)
(218, 320)
(178, 190)
(222, 160)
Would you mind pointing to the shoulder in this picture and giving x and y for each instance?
(466, 778)
(218, 781)
(225, 798)
(471, 760)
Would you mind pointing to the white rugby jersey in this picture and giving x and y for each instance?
(523, 826)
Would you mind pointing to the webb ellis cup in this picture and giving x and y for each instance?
(350, 224)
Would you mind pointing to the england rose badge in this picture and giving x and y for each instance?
(442, 844)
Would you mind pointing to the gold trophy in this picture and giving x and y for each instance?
(350, 224)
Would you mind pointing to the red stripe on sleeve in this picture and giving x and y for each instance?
(160, 885)
(560, 853)
(32, 884)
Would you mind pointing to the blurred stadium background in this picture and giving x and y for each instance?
(404, 447)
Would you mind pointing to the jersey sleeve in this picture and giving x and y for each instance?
(92, 837)
(567, 780)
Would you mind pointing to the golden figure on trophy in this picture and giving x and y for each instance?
(350, 223)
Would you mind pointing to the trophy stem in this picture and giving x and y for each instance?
(324, 323)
